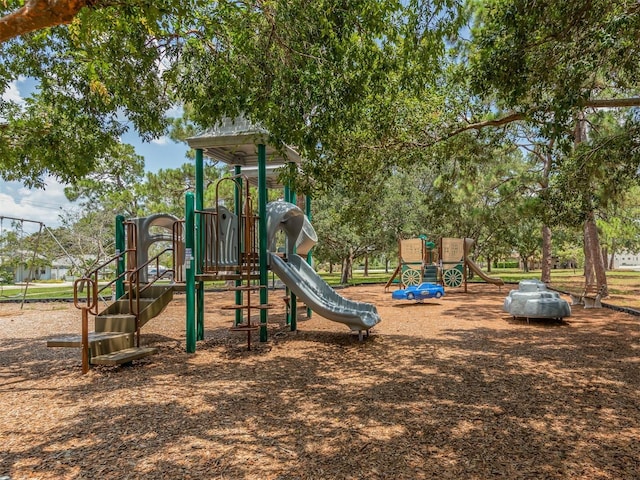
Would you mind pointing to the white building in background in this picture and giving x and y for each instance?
(626, 260)
(60, 269)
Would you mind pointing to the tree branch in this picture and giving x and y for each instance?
(496, 122)
(39, 14)
(515, 116)
(613, 102)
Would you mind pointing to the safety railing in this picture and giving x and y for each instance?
(87, 290)
(229, 242)
(178, 251)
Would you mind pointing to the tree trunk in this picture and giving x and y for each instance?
(605, 257)
(545, 276)
(589, 271)
(330, 267)
(488, 264)
(347, 265)
(594, 263)
(366, 265)
(613, 255)
(597, 262)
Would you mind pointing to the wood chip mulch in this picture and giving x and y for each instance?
(448, 389)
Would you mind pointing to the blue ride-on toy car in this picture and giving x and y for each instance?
(419, 292)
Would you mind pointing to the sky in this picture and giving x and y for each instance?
(46, 205)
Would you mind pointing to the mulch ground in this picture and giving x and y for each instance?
(447, 389)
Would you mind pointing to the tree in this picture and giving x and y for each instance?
(348, 225)
(620, 227)
(299, 68)
(547, 63)
(112, 185)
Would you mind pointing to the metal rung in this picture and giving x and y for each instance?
(244, 328)
(265, 306)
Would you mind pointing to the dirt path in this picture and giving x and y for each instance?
(448, 389)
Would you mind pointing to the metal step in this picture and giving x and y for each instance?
(100, 343)
(115, 322)
(123, 356)
(153, 301)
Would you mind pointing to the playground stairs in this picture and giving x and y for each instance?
(113, 342)
(430, 274)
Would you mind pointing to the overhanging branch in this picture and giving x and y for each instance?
(516, 116)
(39, 14)
(613, 103)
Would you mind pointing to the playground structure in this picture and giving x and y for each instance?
(447, 262)
(236, 246)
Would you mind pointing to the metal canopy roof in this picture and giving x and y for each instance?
(235, 142)
(272, 175)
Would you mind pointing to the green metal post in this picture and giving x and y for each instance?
(190, 272)
(237, 201)
(199, 243)
(262, 234)
(288, 313)
(293, 301)
(120, 248)
(307, 211)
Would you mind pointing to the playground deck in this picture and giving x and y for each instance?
(450, 388)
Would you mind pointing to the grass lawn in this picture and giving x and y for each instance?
(622, 283)
(36, 291)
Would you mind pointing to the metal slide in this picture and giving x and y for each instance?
(478, 271)
(475, 268)
(302, 279)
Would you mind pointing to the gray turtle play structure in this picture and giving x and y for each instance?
(302, 279)
(533, 300)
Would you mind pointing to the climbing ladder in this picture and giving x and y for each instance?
(230, 252)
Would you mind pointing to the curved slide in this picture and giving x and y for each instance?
(478, 271)
(475, 268)
(302, 279)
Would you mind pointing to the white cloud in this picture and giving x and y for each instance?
(38, 205)
(161, 141)
(12, 94)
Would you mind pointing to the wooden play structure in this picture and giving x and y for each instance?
(447, 262)
(417, 263)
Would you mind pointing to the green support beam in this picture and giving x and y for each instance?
(190, 272)
(288, 294)
(262, 235)
(307, 211)
(293, 300)
(199, 246)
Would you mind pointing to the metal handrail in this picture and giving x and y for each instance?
(89, 282)
(134, 287)
(211, 258)
(178, 251)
